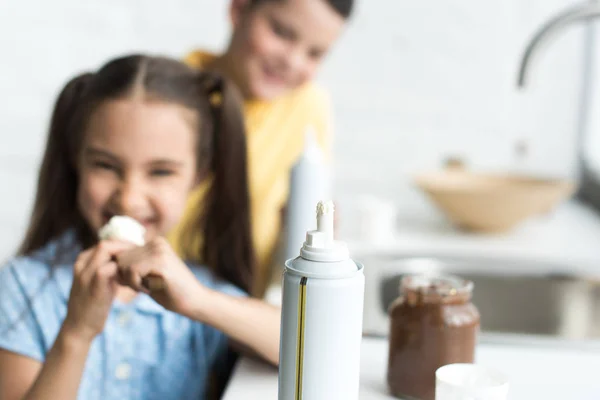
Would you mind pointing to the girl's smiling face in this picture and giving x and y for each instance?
(138, 158)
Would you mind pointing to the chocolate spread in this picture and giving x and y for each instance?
(433, 324)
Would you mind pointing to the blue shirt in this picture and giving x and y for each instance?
(144, 352)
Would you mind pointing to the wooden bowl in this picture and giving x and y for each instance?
(491, 202)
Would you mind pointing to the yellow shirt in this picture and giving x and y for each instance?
(275, 140)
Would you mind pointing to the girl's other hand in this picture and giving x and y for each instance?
(93, 290)
(157, 260)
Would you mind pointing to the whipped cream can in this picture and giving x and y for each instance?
(321, 324)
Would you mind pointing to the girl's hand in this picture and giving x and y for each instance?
(157, 259)
(94, 288)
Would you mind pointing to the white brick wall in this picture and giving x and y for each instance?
(412, 81)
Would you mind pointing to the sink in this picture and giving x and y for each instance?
(513, 297)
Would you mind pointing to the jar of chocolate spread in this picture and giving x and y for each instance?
(433, 323)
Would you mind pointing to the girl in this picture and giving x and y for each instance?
(272, 57)
(133, 139)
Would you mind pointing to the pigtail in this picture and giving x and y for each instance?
(55, 208)
(227, 245)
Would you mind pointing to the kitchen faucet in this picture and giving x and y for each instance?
(589, 180)
(581, 12)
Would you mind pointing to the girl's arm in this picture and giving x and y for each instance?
(22, 378)
(252, 323)
(92, 293)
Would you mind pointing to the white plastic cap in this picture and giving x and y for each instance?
(312, 149)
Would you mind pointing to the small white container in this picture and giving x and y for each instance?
(376, 220)
(470, 382)
(321, 318)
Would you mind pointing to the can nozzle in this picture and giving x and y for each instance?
(323, 236)
(320, 245)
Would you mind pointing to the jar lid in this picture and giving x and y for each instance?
(445, 285)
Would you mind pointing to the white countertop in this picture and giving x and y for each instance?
(567, 240)
(535, 372)
(569, 235)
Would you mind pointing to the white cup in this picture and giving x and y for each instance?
(470, 382)
(376, 219)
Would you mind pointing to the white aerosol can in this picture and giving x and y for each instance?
(321, 318)
(310, 181)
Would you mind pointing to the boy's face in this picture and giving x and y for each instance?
(278, 45)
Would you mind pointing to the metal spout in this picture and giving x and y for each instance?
(582, 12)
